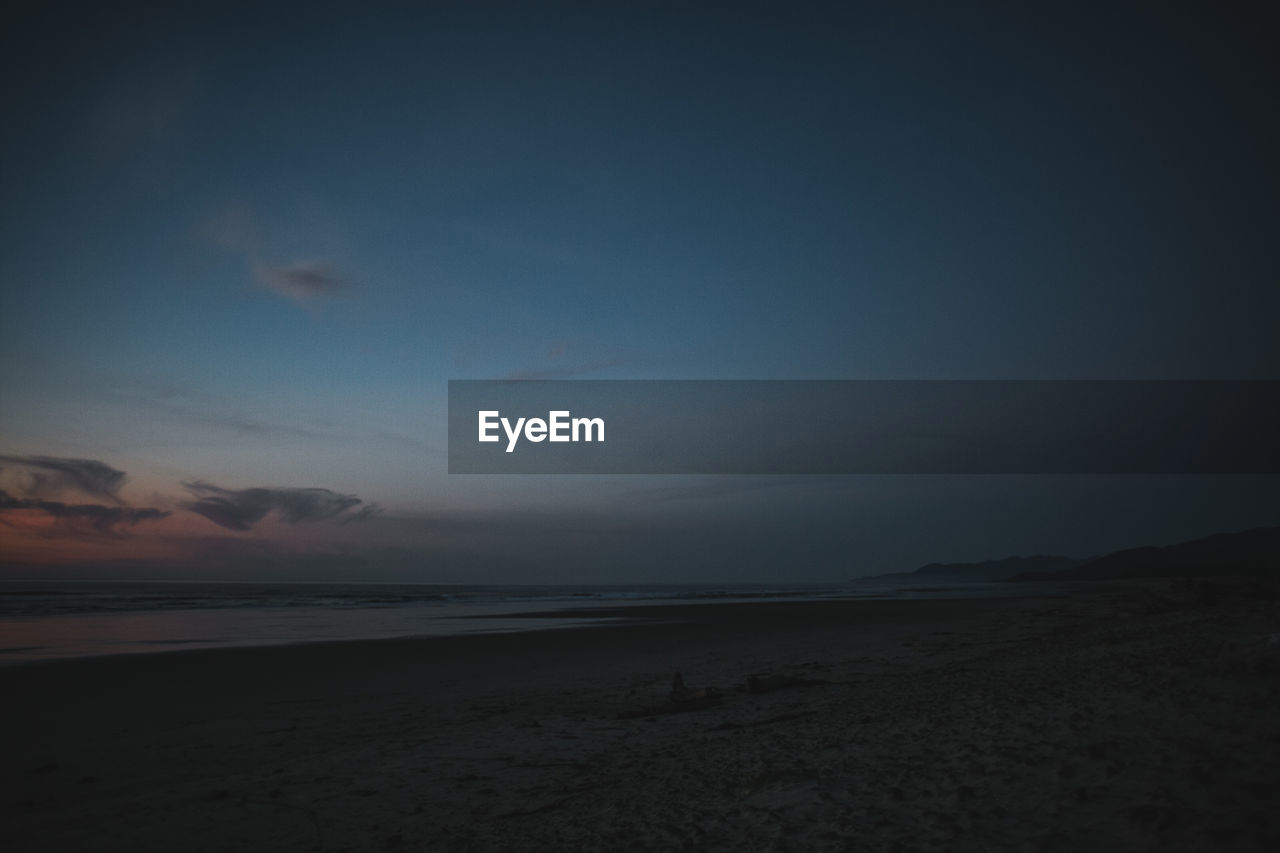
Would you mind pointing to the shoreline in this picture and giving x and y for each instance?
(587, 620)
(1115, 719)
(364, 624)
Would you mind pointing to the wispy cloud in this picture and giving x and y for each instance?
(366, 511)
(81, 519)
(304, 281)
(241, 509)
(31, 488)
(48, 476)
(239, 231)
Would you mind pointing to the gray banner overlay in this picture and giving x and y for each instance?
(866, 427)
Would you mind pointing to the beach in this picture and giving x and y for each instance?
(1124, 717)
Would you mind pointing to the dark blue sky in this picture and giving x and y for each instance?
(248, 245)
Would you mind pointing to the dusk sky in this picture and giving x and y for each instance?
(244, 249)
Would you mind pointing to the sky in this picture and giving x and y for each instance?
(244, 247)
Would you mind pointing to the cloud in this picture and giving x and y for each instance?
(239, 231)
(46, 476)
(304, 281)
(241, 509)
(83, 518)
(366, 511)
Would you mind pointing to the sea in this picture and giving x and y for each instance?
(52, 620)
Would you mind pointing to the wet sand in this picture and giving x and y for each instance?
(1123, 718)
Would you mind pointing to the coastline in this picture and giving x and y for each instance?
(53, 621)
(1120, 718)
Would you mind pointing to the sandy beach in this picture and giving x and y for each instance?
(1128, 717)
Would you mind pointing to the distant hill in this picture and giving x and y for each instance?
(1252, 552)
(986, 570)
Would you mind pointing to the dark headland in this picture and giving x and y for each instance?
(1251, 553)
